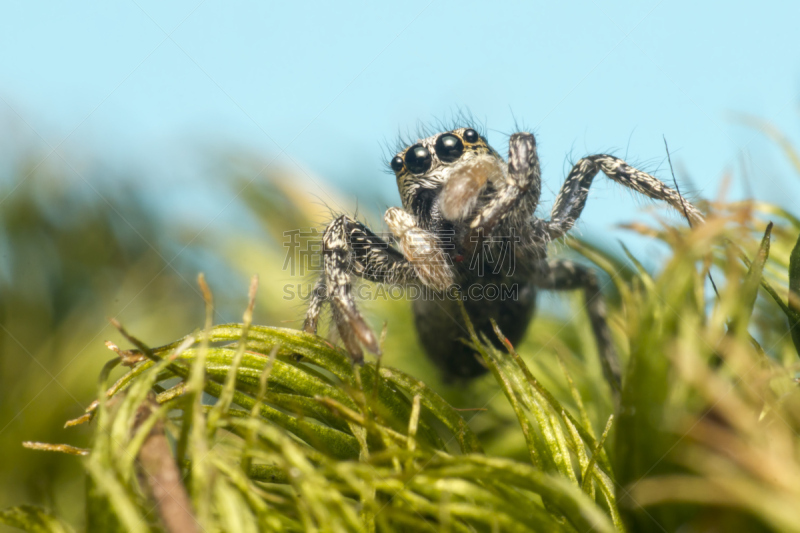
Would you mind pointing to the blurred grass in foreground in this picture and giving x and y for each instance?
(290, 437)
(69, 261)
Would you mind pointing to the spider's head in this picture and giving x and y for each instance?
(457, 163)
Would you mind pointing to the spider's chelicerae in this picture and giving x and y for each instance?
(468, 221)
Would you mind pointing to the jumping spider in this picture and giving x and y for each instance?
(459, 195)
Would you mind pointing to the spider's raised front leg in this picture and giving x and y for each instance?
(561, 275)
(573, 194)
(516, 188)
(350, 248)
(518, 195)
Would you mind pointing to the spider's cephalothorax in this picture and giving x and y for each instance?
(467, 231)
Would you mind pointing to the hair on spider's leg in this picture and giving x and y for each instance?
(519, 125)
(514, 118)
(628, 145)
(572, 197)
(685, 212)
(318, 297)
(677, 188)
(350, 248)
(650, 186)
(349, 322)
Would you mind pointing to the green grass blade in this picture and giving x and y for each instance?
(794, 295)
(560, 493)
(749, 288)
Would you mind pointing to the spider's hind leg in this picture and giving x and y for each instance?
(562, 275)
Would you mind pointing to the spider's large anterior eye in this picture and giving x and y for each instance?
(397, 163)
(471, 136)
(449, 147)
(418, 159)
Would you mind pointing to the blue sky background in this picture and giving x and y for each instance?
(149, 86)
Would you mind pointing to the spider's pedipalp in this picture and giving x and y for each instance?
(421, 248)
(466, 182)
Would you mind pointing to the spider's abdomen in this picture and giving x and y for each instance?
(442, 331)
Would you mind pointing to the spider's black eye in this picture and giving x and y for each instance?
(449, 147)
(418, 159)
(397, 163)
(471, 136)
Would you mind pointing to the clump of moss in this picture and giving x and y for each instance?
(240, 427)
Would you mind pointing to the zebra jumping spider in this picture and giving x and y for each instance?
(460, 197)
